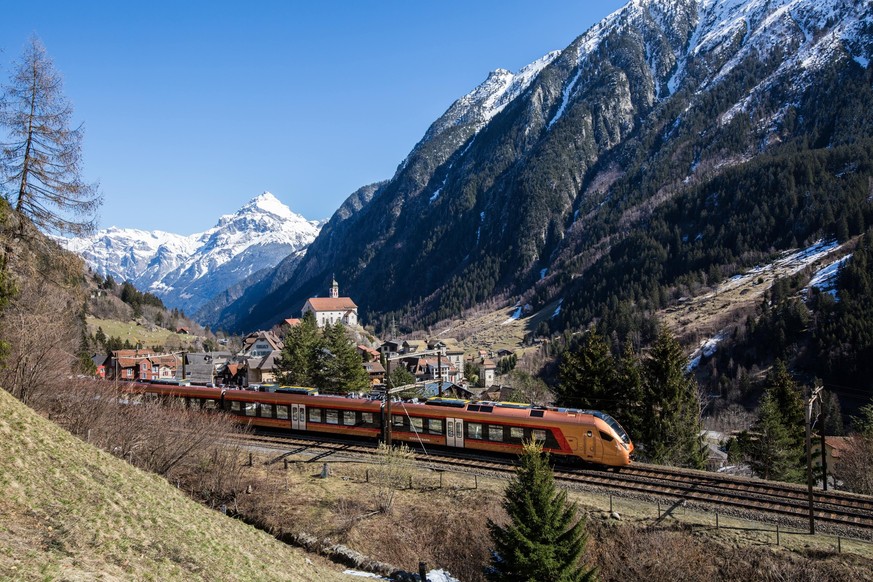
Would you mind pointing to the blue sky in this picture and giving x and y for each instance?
(193, 108)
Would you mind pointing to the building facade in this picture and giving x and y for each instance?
(331, 309)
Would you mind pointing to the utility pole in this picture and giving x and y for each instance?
(824, 457)
(387, 407)
(809, 477)
(440, 373)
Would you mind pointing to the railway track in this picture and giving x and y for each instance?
(780, 501)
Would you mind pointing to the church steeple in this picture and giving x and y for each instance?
(334, 288)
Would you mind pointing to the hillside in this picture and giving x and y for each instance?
(672, 143)
(70, 511)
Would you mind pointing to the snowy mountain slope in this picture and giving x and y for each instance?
(188, 271)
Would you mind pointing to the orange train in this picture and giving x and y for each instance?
(589, 435)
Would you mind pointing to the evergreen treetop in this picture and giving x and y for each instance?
(541, 540)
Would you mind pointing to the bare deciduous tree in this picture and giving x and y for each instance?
(43, 155)
(42, 336)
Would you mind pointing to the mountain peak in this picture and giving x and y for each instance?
(267, 202)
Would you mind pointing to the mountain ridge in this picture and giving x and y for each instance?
(187, 272)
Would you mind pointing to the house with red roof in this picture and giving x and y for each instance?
(329, 310)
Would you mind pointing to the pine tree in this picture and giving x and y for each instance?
(771, 449)
(43, 156)
(540, 542)
(629, 390)
(339, 367)
(299, 356)
(671, 433)
(783, 389)
(587, 376)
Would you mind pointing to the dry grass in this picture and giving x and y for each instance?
(446, 527)
(70, 511)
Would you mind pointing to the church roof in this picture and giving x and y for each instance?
(331, 303)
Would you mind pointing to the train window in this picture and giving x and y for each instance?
(495, 433)
(294, 413)
(331, 416)
(266, 411)
(367, 417)
(349, 417)
(236, 407)
(396, 420)
(281, 411)
(474, 430)
(210, 405)
(416, 424)
(435, 426)
(516, 433)
(605, 436)
(314, 415)
(538, 435)
(252, 409)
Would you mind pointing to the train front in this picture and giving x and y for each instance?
(617, 446)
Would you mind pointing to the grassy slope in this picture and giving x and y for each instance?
(70, 511)
(136, 333)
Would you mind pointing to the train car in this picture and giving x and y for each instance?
(588, 435)
(592, 436)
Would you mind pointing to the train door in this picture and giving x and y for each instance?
(298, 416)
(455, 432)
(573, 443)
(590, 446)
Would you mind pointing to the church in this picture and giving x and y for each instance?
(329, 310)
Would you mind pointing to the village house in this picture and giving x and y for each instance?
(449, 349)
(376, 372)
(367, 353)
(331, 309)
(262, 369)
(159, 367)
(487, 369)
(390, 349)
(234, 373)
(125, 364)
(413, 346)
(261, 343)
(487, 372)
(835, 448)
(100, 365)
(202, 368)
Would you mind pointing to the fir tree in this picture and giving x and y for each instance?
(540, 542)
(587, 378)
(629, 390)
(400, 376)
(782, 388)
(671, 433)
(339, 367)
(302, 342)
(771, 450)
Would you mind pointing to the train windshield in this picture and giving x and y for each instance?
(613, 424)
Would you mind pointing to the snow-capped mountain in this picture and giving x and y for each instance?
(555, 166)
(481, 104)
(188, 271)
